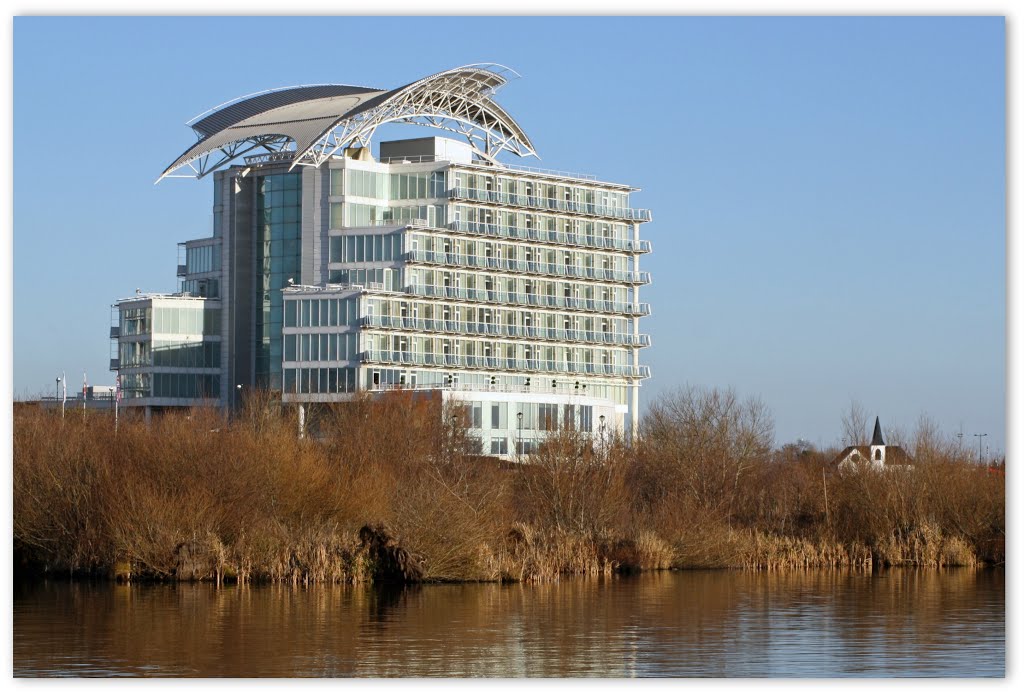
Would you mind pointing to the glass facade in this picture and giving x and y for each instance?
(354, 214)
(207, 287)
(365, 248)
(136, 321)
(320, 380)
(278, 256)
(169, 347)
(202, 259)
(194, 319)
(184, 385)
(368, 277)
(313, 313)
(382, 186)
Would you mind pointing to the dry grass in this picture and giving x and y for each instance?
(391, 489)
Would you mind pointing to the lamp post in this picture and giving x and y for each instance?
(980, 436)
(519, 441)
(601, 419)
(62, 399)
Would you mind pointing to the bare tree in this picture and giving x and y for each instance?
(855, 425)
(705, 441)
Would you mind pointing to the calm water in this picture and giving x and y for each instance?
(920, 623)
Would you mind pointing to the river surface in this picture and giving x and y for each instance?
(916, 623)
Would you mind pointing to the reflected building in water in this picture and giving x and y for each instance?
(432, 266)
(829, 623)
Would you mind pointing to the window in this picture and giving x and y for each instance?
(499, 415)
(548, 415)
(586, 418)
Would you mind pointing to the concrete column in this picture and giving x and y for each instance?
(634, 406)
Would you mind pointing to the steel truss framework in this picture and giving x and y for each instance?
(457, 100)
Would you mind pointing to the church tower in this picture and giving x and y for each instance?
(877, 445)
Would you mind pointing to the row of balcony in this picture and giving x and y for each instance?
(465, 361)
(531, 266)
(490, 329)
(562, 238)
(538, 203)
(540, 300)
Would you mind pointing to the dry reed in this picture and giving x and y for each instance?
(392, 488)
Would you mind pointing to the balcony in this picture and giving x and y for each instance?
(538, 300)
(463, 328)
(547, 204)
(532, 267)
(490, 363)
(560, 238)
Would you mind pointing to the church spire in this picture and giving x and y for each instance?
(876, 438)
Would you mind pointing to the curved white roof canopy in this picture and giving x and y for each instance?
(310, 124)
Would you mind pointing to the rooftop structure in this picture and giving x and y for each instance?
(307, 125)
(432, 266)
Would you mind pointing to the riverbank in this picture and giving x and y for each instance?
(391, 490)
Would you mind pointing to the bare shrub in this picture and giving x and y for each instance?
(570, 487)
(700, 444)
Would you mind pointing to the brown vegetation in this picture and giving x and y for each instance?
(391, 489)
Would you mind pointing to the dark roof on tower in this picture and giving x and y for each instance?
(876, 438)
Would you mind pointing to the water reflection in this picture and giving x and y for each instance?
(695, 624)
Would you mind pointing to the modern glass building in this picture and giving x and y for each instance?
(168, 350)
(431, 266)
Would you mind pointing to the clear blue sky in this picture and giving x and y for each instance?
(828, 194)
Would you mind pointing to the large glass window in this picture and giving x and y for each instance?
(366, 184)
(360, 248)
(278, 253)
(135, 321)
(202, 259)
(176, 385)
(195, 354)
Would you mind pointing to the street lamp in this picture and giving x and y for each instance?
(601, 419)
(980, 436)
(519, 442)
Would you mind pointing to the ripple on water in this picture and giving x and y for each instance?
(919, 623)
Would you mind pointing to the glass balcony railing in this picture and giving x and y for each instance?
(528, 266)
(561, 238)
(465, 361)
(524, 299)
(464, 328)
(548, 204)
